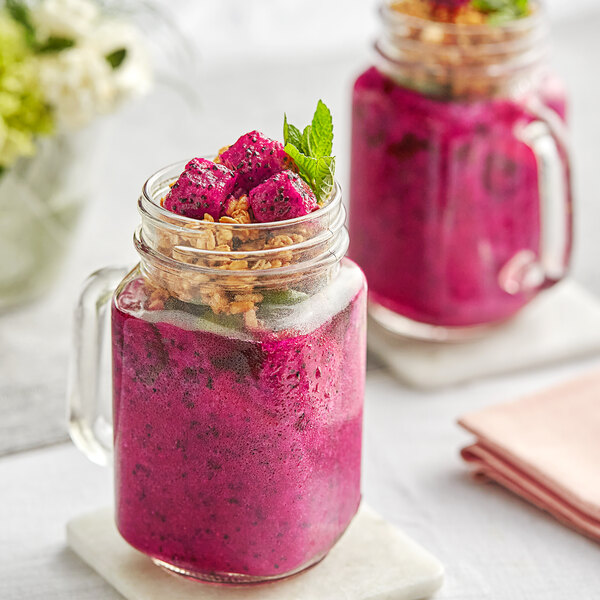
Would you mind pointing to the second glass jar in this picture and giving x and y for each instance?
(460, 190)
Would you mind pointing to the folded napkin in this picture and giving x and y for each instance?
(546, 448)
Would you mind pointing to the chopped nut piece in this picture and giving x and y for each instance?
(248, 297)
(250, 319)
(156, 300)
(240, 307)
(236, 265)
(280, 241)
(224, 236)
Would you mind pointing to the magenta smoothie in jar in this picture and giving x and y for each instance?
(460, 187)
(238, 347)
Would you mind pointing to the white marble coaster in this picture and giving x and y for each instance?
(561, 324)
(372, 561)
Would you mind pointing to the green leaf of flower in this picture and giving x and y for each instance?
(19, 12)
(55, 44)
(115, 59)
(321, 131)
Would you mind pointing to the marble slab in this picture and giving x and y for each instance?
(562, 324)
(373, 560)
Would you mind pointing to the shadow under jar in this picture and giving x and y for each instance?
(460, 186)
(238, 377)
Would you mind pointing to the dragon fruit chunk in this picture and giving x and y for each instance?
(283, 196)
(255, 158)
(202, 188)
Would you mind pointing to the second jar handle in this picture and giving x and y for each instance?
(546, 137)
(90, 423)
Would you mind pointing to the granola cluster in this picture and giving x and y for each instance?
(450, 62)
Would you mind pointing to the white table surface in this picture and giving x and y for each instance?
(493, 545)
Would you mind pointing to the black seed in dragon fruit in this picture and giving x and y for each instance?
(283, 196)
(255, 158)
(202, 188)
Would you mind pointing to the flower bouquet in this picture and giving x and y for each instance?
(63, 63)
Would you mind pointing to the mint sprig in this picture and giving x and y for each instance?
(502, 11)
(311, 150)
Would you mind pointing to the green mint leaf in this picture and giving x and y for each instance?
(502, 11)
(306, 146)
(311, 151)
(19, 12)
(325, 177)
(283, 297)
(55, 44)
(307, 166)
(115, 59)
(291, 134)
(325, 170)
(209, 319)
(321, 131)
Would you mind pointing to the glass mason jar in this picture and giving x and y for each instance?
(460, 187)
(238, 362)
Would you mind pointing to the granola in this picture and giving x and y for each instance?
(448, 61)
(223, 248)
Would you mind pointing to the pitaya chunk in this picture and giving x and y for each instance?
(202, 188)
(255, 158)
(283, 196)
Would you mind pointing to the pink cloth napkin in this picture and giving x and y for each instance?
(546, 448)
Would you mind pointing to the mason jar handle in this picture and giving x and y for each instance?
(546, 137)
(90, 422)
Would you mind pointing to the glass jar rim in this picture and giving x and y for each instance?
(326, 247)
(462, 60)
(148, 205)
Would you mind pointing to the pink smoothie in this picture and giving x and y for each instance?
(236, 455)
(443, 195)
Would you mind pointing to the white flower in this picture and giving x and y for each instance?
(72, 19)
(79, 84)
(133, 76)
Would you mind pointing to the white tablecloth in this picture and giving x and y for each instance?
(494, 546)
